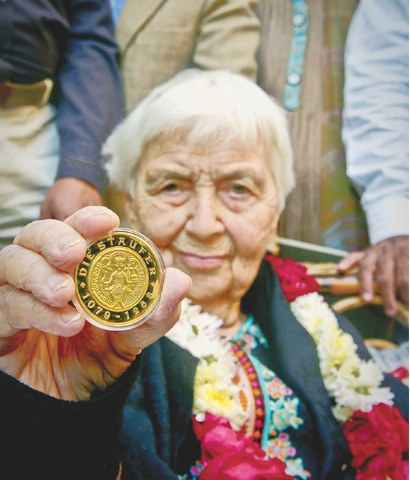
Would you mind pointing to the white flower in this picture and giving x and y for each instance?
(197, 332)
(342, 413)
(353, 400)
(336, 348)
(216, 393)
(368, 376)
(221, 402)
(314, 314)
(294, 468)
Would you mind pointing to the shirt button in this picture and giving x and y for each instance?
(299, 19)
(294, 79)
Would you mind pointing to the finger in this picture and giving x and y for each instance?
(29, 271)
(350, 261)
(384, 275)
(93, 222)
(63, 244)
(366, 272)
(60, 245)
(176, 287)
(62, 212)
(20, 311)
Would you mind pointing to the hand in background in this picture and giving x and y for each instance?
(385, 264)
(44, 342)
(68, 195)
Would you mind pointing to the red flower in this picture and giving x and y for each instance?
(379, 443)
(293, 277)
(230, 455)
(400, 373)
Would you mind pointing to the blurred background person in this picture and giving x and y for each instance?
(376, 130)
(301, 64)
(60, 96)
(159, 38)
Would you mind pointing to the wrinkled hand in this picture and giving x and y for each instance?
(384, 266)
(44, 342)
(68, 195)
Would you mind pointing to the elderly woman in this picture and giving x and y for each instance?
(253, 382)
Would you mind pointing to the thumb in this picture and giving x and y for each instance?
(176, 287)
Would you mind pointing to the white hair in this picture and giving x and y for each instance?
(209, 107)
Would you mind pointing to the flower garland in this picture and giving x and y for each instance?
(353, 383)
(375, 431)
(197, 332)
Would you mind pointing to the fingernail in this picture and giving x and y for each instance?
(67, 244)
(58, 282)
(367, 297)
(72, 320)
(101, 212)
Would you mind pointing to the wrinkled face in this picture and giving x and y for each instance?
(213, 210)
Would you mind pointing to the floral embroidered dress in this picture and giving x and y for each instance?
(286, 424)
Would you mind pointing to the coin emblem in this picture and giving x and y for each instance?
(119, 281)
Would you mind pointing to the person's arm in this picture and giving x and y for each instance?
(228, 37)
(375, 126)
(64, 381)
(143, 461)
(48, 438)
(376, 137)
(89, 102)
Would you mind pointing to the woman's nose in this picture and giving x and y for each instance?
(204, 220)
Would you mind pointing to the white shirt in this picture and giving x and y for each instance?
(376, 120)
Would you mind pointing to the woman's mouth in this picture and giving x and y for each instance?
(201, 262)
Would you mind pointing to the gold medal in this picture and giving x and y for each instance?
(119, 281)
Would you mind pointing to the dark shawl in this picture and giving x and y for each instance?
(157, 440)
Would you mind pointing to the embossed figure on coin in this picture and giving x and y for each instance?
(119, 280)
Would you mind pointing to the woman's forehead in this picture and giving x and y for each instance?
(218, 160)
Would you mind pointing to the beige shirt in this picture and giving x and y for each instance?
(159, 38)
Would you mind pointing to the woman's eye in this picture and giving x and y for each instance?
(239, 190)
(174, 192)
(171, 188)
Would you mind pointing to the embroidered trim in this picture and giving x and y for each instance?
(300, 19)
(248, 366)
